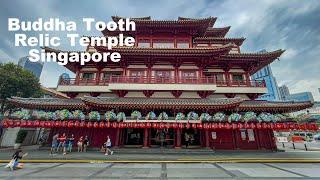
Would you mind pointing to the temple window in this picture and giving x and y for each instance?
(219, 77)
(163, 44)
(237, 77)
(107, 75)
(182, 44)
(202, 45)
(88, 75)
(189, 74)
(144, 43)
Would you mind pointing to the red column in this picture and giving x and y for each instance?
(178, 138)
(145, 138)
(116, 144)
(207, 142)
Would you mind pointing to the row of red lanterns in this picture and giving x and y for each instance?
(85, 124)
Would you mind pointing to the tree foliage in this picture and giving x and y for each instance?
(16, 81)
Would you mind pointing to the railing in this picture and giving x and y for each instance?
(158, 80)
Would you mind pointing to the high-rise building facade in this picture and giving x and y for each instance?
(271, 83)
(303, 96)
(34, 67)
(284, 92)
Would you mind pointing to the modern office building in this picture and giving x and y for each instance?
(284, 92)
(34, 67)
(298, 97)
(271, 83)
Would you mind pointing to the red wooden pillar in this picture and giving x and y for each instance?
(178, 138)
(207, 141)
(145, 138)
(117, 142)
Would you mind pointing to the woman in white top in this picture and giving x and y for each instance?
(108, 146)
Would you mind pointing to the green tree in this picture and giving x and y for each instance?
(16, 81)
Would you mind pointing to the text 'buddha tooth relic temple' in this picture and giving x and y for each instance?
(183, 78)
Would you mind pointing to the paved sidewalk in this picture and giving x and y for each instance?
(163, 171)
(190, 155)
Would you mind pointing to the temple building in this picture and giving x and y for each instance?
(183, 79)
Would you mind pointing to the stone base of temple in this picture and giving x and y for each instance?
(219, 139)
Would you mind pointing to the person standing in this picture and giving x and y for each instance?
(187, 139)
(80, 144)
(108, 146)
(54, 143)
(70, 142)
(85, 143)
(62, 143)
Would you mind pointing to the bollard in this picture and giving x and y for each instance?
(294, 147)
(305, 146)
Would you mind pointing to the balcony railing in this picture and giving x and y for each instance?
(158, 80)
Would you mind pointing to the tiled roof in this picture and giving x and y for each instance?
(201, 51)
(268, 106)
(217, 32)
(221, 104)
(237, 41)
(162, 103)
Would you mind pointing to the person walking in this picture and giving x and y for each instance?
(70, 142)
(54, 144)
(108, 146)
(14, 163)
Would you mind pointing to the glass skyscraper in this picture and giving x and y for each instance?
(34, 67)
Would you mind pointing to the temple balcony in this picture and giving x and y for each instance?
(160, 84)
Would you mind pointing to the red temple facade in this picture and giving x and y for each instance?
(177, 70)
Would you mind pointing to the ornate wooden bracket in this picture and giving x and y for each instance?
(204, 94)
(176, 93)
(121, 93)
(95, 94)
(230, 95)
(72, 94)
(252, 96)
(148, 93)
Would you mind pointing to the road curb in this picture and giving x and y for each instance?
(171, 161)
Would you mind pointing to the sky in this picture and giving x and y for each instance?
(292, 25)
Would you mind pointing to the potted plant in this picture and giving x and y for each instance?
(21, 136)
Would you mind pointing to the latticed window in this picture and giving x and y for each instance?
(182, 44)
(237, 77)
(88, 75)
(163, 44)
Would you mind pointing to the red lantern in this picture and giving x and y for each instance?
(246, 126)
(89, 124)
(142, 125)
(125, 125)
(95, 124)
(29, 123)
(10, 123)
(101, 124)
(188, 125)
(253, 126)
(49, 124)
(291, 126)
(168, 125)
(227, 126)
(205, 126)
(108, 124)
(194, 126)
(17, 123)
(214, 126)
(161, 125)
(64, 124)
(180, 126)
(240, 126)
(70, 124)
(258, 125)
(199, 126)
(264, 125)
(23, 123)
(148, 125)
(5, 124)
(154, 125)
(76, 124)
(42, 124)
(82, 124)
